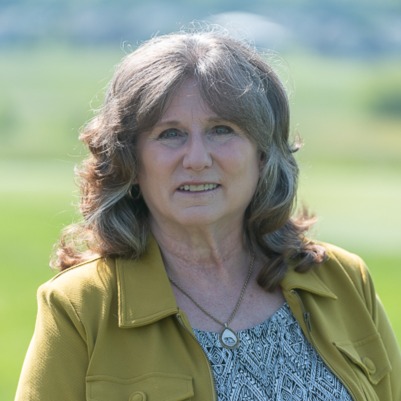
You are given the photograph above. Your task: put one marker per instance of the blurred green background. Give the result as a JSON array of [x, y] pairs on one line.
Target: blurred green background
[[346, 105]]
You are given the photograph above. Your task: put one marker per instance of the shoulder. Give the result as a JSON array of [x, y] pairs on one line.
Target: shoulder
[[87, 282], [344, 268], [343, 261], [341, 272], [96, 272], [343, 277], [340, 255]]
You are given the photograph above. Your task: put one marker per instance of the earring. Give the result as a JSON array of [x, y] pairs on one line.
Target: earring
[[135, 192]]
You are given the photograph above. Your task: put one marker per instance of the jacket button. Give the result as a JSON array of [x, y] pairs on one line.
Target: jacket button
[[138, 396], [370, 365]]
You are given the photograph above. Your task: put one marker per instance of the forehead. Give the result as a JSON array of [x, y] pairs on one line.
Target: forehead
[[187, 100]]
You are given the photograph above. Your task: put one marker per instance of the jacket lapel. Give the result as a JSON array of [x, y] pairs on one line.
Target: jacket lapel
[[144, 291]]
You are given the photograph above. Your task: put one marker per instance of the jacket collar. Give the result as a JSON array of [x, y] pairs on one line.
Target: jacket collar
[[145, 294], [308, 281], [144, 290]]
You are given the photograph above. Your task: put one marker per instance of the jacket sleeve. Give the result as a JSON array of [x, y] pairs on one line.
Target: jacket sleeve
[[57, 359], [388, 337]]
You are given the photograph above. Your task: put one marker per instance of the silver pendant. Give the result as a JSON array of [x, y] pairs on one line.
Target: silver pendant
[[229, 338]]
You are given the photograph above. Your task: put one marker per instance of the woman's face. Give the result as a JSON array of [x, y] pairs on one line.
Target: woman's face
[[195, 168]]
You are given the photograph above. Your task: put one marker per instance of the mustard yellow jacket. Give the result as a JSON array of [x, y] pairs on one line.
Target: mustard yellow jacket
[[110, 330]]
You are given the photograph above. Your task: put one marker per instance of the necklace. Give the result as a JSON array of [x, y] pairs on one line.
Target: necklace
[[228, 337]]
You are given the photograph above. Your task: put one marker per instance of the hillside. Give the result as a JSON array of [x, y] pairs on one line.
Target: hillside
[[359, 28]]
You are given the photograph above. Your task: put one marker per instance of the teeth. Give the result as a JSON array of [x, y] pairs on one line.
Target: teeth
[[198, 188]]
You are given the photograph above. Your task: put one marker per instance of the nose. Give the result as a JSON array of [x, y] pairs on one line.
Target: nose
[[197, 153]]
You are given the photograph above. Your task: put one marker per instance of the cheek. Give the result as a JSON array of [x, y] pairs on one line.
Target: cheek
[[253, 165], [245, 161], [147, 176], [149, 164]]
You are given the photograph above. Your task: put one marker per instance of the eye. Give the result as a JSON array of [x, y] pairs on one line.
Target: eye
[[222, 130], [171, 134]]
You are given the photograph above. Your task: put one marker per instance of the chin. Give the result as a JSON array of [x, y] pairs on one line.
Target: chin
[[197, 218]]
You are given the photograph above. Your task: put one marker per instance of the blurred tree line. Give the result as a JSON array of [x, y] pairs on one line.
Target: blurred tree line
[[339, 27]]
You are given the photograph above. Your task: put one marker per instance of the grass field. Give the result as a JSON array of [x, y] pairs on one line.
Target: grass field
[[351, 168]]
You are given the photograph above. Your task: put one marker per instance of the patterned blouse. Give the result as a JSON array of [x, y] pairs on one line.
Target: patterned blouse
[[274, 361]]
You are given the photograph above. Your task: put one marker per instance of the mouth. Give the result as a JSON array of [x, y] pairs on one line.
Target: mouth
[[198, 188]]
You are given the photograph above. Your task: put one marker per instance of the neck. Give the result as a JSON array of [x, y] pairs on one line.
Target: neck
[[202, 251]]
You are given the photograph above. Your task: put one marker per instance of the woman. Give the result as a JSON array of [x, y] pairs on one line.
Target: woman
[[191, 278]]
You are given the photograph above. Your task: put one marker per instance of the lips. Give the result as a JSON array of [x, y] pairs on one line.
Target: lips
[[197, 187]]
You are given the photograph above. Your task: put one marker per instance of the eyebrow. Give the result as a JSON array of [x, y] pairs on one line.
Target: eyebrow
[[214, 119]]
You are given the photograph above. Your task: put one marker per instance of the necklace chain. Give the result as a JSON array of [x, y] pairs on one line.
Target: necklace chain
[[237, 305]]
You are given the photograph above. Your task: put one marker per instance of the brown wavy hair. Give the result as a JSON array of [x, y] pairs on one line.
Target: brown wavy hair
[[237, 84]]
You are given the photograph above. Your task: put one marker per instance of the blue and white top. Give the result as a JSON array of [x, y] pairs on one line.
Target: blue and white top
[[274, 361]]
